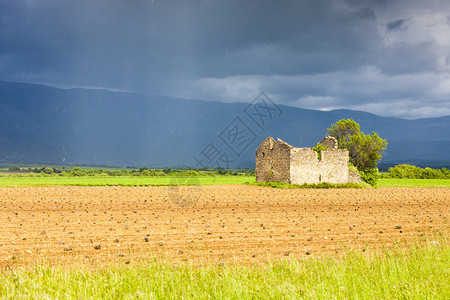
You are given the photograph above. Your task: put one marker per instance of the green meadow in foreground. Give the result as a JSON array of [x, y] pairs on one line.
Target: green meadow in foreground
[[420, 272]]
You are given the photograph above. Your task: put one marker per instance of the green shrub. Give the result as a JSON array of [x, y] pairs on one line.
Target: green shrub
[[48, 171], [352, 168], [147, 173], [77, 171], [370, 176]]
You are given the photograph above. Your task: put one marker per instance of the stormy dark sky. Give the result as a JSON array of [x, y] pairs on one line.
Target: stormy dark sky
[[387, 57]]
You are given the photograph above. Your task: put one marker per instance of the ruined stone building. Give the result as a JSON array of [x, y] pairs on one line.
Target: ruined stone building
[[278, 161]]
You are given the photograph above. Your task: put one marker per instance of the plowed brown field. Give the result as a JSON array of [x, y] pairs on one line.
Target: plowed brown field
[[107, 225]]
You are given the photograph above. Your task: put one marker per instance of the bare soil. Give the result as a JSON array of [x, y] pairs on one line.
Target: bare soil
[[99, 226]]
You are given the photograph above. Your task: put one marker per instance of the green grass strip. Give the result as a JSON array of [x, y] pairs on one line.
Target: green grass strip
[[394, 182], [197, 180], [123, 180], [418, 273]]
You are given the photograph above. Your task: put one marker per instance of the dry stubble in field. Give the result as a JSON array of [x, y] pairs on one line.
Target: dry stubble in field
[[98, 226]]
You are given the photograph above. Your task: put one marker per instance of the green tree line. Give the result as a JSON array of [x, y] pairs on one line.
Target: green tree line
[[413, 172], [77, 171]]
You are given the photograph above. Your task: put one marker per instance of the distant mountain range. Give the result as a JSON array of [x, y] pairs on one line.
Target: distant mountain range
[[45, 125]]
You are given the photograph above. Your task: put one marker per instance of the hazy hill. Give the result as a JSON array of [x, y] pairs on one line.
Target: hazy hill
[[41, 124]]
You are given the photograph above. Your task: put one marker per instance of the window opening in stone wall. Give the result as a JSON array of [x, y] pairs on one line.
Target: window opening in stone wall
[[320, 178], [318, 148]]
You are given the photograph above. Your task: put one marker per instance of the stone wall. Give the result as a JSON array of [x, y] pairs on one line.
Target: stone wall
[[354, 177], [329, 142], [272, 161], [279, 161], [334, 166], [304, 166], [307, 168]]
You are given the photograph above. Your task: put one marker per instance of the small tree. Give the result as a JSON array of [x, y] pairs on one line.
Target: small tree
[[48, 170], [365, 151], [77, 171]]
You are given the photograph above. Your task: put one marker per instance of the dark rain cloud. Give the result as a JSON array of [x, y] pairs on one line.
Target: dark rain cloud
[[229, 50], [395, 25]]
